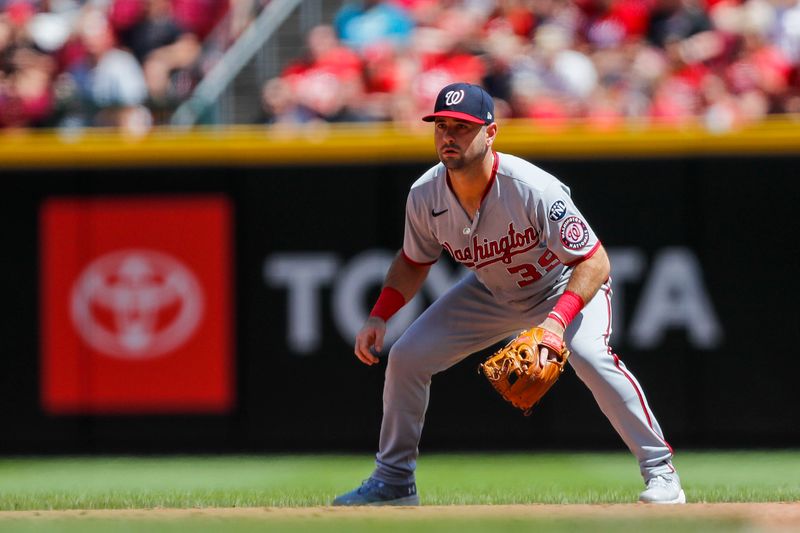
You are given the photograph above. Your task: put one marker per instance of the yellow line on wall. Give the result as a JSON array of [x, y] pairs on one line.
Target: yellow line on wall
[[374, 143]]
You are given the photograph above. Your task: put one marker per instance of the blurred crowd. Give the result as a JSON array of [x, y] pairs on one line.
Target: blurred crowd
[[129, 63], [118, 63], [607, 62]]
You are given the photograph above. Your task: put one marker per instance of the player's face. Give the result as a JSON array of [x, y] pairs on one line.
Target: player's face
[[460, 143]]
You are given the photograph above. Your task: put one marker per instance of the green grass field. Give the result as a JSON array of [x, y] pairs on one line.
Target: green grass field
[[443, 479]]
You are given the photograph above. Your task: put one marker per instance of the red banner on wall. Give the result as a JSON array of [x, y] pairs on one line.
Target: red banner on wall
[[136, 305]]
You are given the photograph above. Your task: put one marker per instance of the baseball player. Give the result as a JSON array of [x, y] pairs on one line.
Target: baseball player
[[534, 260]]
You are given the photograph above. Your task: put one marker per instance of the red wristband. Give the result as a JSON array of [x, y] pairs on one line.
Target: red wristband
[[567, 308], [389, 302]]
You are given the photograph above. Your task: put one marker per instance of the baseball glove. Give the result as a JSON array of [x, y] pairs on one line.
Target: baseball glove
[[517, 373]]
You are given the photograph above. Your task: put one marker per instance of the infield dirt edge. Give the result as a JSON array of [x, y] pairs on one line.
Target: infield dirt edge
[[771, 514]]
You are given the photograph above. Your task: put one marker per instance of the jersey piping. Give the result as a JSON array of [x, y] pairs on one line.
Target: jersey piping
[[589, 254], [416, 263]]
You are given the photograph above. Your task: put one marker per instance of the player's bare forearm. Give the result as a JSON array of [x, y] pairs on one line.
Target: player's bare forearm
[[589, 275], [405, 277]]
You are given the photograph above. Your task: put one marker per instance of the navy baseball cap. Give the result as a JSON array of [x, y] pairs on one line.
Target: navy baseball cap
[[463, 101]]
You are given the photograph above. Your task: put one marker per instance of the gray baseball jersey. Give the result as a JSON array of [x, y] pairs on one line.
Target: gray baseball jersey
[[517, 244]]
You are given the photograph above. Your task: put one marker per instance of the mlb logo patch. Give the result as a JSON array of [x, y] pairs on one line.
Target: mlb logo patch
[[136, 306]]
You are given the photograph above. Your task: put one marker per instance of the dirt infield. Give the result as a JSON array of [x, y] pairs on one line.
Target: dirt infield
[[762, 516]]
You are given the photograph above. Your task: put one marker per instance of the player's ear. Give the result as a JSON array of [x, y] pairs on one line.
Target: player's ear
[[491, 133]]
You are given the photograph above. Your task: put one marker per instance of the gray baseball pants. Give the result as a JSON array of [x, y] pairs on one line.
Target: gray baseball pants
[[468, 319]]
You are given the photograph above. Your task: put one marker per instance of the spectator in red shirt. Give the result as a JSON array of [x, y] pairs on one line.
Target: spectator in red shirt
[[328, 82]]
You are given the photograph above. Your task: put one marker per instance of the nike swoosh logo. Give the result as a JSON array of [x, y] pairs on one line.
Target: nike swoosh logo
[[437, 213]]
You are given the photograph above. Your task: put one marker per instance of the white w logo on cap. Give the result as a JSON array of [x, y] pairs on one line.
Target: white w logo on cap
[[454, 97]]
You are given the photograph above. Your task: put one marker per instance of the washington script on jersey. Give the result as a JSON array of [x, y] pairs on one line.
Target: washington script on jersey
[[503, 249]]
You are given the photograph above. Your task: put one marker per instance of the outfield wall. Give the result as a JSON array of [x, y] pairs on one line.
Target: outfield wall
[[201, 292]]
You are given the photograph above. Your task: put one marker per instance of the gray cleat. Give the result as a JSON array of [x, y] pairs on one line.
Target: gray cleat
[[374, 492], [663, 489]]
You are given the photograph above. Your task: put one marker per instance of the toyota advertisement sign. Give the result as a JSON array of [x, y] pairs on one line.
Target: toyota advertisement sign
[[136, 305], [202, 308]]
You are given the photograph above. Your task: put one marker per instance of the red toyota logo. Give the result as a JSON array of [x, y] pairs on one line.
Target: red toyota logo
[[136, 305]]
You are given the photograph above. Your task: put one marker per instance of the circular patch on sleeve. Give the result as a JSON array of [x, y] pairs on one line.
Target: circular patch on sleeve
[[574, 233], [557, 210]]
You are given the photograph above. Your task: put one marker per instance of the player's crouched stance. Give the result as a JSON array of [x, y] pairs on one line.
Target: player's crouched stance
[[534, 260]]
